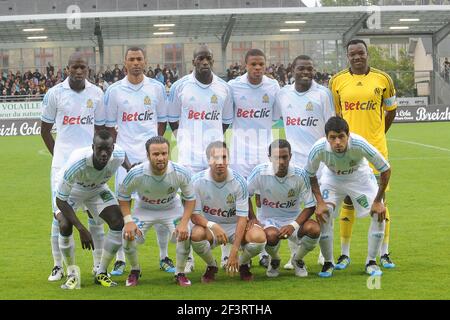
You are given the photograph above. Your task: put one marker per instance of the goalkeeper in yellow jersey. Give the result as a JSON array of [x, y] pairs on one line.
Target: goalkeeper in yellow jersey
[[365, 98]]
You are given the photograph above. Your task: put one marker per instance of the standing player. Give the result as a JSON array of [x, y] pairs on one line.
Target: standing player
[[305, 107], [200, 111], [347, 172], [83, 183], [220, 216], [157, 181], [365, 97], [136, 105], [253, 99], [75, 106], [282, 189]]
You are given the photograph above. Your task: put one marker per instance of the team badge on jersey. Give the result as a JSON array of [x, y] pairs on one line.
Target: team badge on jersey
[[377, 91], [89, 103], [309, 106], [352, 163], [214, 99], [291, 193], [230, 199], [170, 190], [266, 98], [147, 100], [106, 196]]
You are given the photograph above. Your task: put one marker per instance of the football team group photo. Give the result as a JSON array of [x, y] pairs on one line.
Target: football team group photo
[[281, 166]]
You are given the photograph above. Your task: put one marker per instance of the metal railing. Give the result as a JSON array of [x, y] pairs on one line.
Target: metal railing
[[21, 98]]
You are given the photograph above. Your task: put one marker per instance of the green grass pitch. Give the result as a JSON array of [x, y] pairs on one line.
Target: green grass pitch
[[419, 203]]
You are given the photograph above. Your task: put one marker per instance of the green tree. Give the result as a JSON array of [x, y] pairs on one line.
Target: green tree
[[401, 70]]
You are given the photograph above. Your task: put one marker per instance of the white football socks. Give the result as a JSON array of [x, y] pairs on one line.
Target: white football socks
[[251, 249], [67, 247], [54, 240], [162, 236], [375, 238], [98, 234], [203, 249]]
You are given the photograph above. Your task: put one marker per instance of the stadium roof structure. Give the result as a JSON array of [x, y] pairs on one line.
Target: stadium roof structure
[[88, 29], [239, 24]]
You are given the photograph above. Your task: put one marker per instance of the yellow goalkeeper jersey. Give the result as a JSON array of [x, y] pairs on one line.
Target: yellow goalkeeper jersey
[[362, 100]]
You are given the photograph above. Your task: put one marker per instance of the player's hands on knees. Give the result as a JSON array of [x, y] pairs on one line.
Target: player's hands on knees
[[379, 209], [286, 231], [220, 235], [130, 231], [86, 239], [322, 212], [182, 231], [232, 266]]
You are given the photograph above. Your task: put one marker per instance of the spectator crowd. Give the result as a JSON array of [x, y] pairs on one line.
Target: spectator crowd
[[30, 83], [165, 75], [37, 83], [284, 74]]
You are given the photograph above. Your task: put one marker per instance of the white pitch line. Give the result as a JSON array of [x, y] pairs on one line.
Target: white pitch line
[[420, 144]]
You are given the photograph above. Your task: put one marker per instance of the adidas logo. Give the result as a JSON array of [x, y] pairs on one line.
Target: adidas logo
[[359, 84]]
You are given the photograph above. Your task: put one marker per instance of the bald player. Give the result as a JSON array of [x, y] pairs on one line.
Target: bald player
[[200, 109]]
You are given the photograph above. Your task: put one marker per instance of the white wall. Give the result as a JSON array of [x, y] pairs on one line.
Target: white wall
[[422, 62]]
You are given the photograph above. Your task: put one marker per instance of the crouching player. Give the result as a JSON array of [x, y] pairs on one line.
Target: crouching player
[[157, 182], [347, 172], [220, 216], [83, 183], [282, 188]]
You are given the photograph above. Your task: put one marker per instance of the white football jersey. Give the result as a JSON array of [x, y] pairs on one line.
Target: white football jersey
[[157, 192], [221, 202], [200, 109], [304, 116], [79, 172], [281, 197], [252, 123], [74, 114], [136, 111], [348, 165]]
